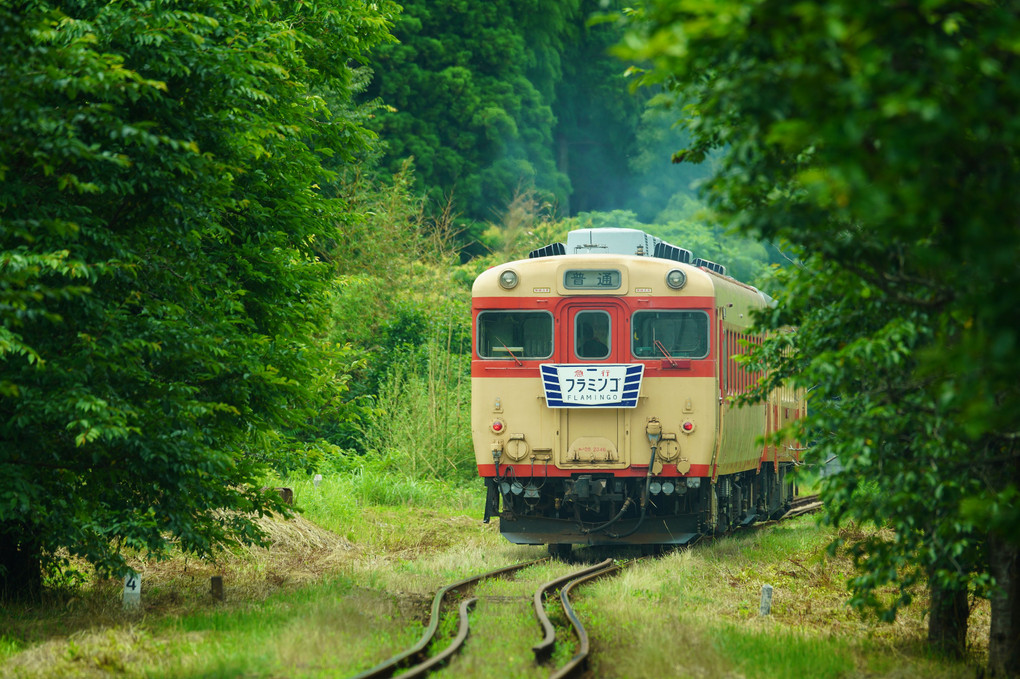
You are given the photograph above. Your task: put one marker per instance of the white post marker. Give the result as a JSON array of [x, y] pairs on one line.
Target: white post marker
[[317, 480], [132, 590], [766, 600]]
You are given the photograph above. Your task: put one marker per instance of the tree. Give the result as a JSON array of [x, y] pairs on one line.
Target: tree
[[878, 139], [468, 89], [163, 192], [597, 117]]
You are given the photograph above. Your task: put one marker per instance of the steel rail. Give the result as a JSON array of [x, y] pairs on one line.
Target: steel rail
[[423, 668], [803, 505], [803, 500], [578, 663], [405, 658], [543, 649]]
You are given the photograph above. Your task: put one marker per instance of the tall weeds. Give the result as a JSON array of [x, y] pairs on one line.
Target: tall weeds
[[422, 420]]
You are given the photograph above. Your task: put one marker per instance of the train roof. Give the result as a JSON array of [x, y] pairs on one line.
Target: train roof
[[602, 245], [613, 241]]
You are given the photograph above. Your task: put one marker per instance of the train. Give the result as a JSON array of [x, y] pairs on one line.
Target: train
[[605, 379]]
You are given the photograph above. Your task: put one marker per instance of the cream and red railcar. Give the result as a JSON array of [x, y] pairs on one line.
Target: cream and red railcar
[[602, 380]]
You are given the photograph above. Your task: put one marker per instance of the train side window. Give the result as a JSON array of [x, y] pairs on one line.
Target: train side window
[[682, 334], [591, 334], [515, 334]]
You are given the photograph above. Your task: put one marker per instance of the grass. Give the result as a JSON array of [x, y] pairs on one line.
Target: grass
[[350, 582], [696, 613]]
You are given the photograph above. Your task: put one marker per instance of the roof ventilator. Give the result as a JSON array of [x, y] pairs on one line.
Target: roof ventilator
[[552, 250], [711, 266]]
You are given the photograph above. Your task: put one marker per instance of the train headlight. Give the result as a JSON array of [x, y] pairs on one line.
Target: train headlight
[[668, 487], [676, 279], [508, 279], [655, 487]]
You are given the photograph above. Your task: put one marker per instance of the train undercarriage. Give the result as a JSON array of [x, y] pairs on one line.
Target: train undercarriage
[[599, 508]]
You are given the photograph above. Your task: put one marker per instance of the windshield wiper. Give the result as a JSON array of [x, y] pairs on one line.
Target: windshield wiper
[[507, 349], [662, 348]]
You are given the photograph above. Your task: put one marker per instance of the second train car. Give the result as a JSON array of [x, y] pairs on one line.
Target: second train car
[[603, 379]]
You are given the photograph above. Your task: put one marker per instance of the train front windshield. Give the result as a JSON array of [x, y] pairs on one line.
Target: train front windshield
[[682, 334], [529, 334], [515, 334]]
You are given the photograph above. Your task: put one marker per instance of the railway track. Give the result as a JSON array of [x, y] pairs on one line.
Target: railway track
[[543, 650], [413, 662], [803, 505]]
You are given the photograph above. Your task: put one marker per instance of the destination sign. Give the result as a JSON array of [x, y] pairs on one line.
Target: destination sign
[[574, 385], [592, 279]]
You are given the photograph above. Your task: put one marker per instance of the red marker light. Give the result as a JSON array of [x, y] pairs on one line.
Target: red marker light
[[688, 426], [497, 426]]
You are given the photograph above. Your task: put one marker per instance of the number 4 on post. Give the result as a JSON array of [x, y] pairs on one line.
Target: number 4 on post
[[132, 590]]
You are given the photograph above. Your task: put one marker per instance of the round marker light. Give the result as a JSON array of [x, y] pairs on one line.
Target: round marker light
[[655, 487], [676, 279], [508, 279], [668, 487], [687, 427], [497, 426]]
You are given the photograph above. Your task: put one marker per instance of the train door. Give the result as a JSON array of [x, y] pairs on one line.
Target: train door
[[595, 333], [724, 371]]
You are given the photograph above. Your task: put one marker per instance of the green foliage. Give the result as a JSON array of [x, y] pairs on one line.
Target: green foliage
[[690, 224], [789, 654], [398, 312], [657, 183], [161, 207], [526, 224], [522, 99], [468, 90], [877, 138], [392, 264], [421, 421], [597, 118]]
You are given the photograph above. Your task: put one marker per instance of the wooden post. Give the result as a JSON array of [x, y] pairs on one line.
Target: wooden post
[[216, 587]]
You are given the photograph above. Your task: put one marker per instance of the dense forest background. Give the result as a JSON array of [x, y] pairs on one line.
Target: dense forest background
[[237, 240], [492, 101]]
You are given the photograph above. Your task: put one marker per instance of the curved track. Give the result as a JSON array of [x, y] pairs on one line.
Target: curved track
[[543, 650], [411, 659], [413, 663]]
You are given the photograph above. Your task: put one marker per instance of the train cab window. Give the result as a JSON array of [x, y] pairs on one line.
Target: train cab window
[[515, 334], [591, 334], [680, 334]]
